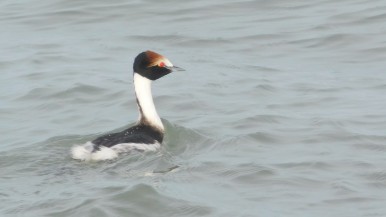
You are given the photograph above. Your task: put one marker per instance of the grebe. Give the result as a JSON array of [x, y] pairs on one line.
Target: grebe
[[148, 133]]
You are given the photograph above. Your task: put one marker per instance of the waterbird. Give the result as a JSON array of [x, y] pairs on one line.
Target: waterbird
[[147, 134]]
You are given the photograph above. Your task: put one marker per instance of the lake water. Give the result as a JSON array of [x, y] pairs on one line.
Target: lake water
[[280, 112]]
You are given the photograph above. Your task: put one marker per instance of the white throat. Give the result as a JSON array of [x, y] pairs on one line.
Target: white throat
[[147, 111]]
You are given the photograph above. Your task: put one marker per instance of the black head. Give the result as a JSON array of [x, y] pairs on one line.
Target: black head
[[152, 65]]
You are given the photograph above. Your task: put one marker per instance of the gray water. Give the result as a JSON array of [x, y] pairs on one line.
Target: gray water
[[280, 112]]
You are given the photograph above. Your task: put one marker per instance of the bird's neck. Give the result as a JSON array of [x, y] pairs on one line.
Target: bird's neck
[[147, 111]]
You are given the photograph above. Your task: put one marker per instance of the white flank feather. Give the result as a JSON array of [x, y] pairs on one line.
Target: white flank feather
[[85, 152]]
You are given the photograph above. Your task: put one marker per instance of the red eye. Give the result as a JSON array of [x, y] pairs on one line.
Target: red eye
[[161, 64]]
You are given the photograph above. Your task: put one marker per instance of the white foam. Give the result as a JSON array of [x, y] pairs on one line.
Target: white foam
[[85, 152]]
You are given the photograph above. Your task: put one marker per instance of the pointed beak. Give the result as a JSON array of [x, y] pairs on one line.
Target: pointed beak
[[176, 68]]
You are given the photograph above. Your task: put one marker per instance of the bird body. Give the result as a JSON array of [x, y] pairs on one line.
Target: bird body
[[148, 133]]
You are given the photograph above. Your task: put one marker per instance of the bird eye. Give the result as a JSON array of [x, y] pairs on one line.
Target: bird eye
[[161, 64]]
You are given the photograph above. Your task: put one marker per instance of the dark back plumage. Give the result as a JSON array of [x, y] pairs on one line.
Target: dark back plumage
[[141, 133]]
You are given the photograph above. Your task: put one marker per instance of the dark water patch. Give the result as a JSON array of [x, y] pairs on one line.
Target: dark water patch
[[180, 40], [77, 90], [375, 180], [371, 147], [268, 119], [142, 197], [371, 19], [263, 138], [379, 176], [350, 200], [343, 188], [265, 87], [36, 76], [262, 68], [48, 18], [242, 171], [54, 57], [252, 177], [161, 38], [316, 165], [374, 51], [335, 41], [213, 42], [339, 137], [259, 37]]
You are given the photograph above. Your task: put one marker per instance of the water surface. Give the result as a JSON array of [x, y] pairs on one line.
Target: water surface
[[280, 111]]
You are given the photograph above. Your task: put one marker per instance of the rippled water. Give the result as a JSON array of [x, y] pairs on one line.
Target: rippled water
[[280, 112]]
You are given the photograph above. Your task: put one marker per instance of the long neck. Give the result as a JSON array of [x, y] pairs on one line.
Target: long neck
[[147, 111]]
